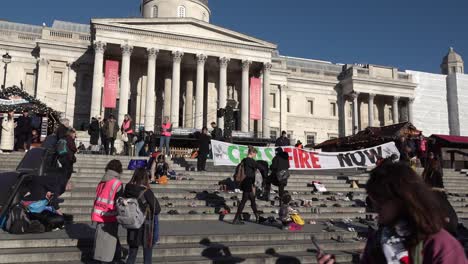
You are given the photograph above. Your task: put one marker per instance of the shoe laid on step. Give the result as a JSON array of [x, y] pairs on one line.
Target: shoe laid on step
[[237, 222]]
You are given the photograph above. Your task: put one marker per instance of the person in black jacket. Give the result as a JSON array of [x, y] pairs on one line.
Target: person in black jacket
[[24, 131], [279, 163], [283, 141], [147, 235], [216, 133], [94, 131], [248, 186], [203, 148]]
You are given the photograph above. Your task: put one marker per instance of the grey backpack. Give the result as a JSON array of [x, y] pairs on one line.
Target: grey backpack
[[129, 213]]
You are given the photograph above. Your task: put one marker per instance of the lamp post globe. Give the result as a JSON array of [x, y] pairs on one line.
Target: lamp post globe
[[6, 59]]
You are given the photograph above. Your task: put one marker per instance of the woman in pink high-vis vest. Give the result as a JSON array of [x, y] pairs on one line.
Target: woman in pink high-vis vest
[[166, 133], [127, 128]]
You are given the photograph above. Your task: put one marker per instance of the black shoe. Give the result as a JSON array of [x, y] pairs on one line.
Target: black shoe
[[237, 222]]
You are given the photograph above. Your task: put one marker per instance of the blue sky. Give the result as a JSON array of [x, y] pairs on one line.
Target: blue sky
[[408, 34]]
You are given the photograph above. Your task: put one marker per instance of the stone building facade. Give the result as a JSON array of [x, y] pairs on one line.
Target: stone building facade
[[174, 63]]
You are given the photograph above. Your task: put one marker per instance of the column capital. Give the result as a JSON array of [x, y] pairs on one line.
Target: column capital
[[223, 62], [99, 47], [354, 95], [267, 67], [152, 53], [246, 64], [411, 100], [177, 56], [372, 96], [127, 50], [396, 98], [283, 87], [201, 58]]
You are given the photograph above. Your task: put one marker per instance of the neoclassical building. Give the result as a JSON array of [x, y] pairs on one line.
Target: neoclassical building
[[173, 62]]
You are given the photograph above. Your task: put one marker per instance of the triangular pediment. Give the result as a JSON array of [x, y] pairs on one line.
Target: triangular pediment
[[186, 27]]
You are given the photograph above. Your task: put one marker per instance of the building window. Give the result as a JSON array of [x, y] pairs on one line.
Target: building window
[[350, 110], [310, 139], [390, 113], [274, 133], [310, 105], [333, 109], [155, 11], [181, 11], [57, 80], [30, 82], [288, 105], [454, 69], [273, 100]]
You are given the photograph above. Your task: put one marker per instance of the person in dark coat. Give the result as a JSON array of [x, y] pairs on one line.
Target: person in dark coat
[[24, 131], [248, 186], [279, 163], [204, 140], [216, 133], [110, 131], [94, 132], [147, 236], [283, 141]]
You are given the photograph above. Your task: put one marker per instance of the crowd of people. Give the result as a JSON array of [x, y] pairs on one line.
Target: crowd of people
[[18, 134]]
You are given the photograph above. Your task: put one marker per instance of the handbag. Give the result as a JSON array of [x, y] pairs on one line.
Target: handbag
[[282, 175], [296, 218], [136, 164], [124, 137], [240, 173]]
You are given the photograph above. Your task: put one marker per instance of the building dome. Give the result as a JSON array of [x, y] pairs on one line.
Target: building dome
[[197, 9], [452, 63]]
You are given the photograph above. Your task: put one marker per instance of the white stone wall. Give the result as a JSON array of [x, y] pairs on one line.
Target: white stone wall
[[462, 91], [430, 112], [169, 8]]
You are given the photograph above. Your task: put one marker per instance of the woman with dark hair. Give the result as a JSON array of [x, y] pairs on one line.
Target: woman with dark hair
[[8, 132], [127, 130], [106, 243], [147, 235], [410, 221], [248, 186]]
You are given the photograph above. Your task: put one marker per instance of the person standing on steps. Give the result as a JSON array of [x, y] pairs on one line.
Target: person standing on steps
[[127, 131], [166, 133], [147, 235], [110, 131], [24, 129], [283, 141], [216, 133], [94, 131], [279, 173], [204, 140], [106, 244], [8, 133], [248, 185]]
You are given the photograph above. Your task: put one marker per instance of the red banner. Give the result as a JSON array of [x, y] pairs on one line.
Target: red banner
[[109, 97], [255, 98]]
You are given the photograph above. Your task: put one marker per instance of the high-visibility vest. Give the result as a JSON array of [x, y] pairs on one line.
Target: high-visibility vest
[[166, 126], [104, 207]]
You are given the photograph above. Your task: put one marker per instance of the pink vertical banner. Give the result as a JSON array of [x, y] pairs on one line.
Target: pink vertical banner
[[111, 76], [255, 98]]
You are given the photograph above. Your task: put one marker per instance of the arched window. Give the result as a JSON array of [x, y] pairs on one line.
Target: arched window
[[181, 11], [155, 11]]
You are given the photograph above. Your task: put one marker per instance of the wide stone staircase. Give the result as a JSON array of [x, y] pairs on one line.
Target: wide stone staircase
[[193, 231]]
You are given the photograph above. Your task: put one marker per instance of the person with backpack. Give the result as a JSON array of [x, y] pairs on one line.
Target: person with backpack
[[279, 173], [104, 214], [138, 192], [246, 177]]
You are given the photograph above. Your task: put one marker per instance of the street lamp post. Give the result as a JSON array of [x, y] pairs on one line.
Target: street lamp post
[[6, 60]]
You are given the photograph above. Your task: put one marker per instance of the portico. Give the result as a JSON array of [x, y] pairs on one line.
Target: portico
[[184, 77]]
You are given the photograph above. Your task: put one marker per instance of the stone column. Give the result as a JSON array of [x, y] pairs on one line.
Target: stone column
[[189, 101], [410, 109], [245, 96], [396, 119], [201, 59], [175, 96], [355, 96], [167, 94], [99, 48], [266, 101], [371, 109], [342, 114], [124, 82], [71, 91], [150, 111], [222, 96], [283, 107]]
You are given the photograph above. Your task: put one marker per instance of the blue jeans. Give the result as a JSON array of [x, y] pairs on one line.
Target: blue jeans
[[138, 147], [164, 141]]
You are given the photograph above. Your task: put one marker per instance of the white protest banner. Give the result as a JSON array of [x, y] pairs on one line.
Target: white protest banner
[[226, 154]]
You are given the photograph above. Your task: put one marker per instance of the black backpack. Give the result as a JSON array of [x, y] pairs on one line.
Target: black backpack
[[18, 222], [282, 176]]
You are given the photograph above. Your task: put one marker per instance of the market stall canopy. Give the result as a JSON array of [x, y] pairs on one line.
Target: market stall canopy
[[16, 99], [370, 137], [451, 141]]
